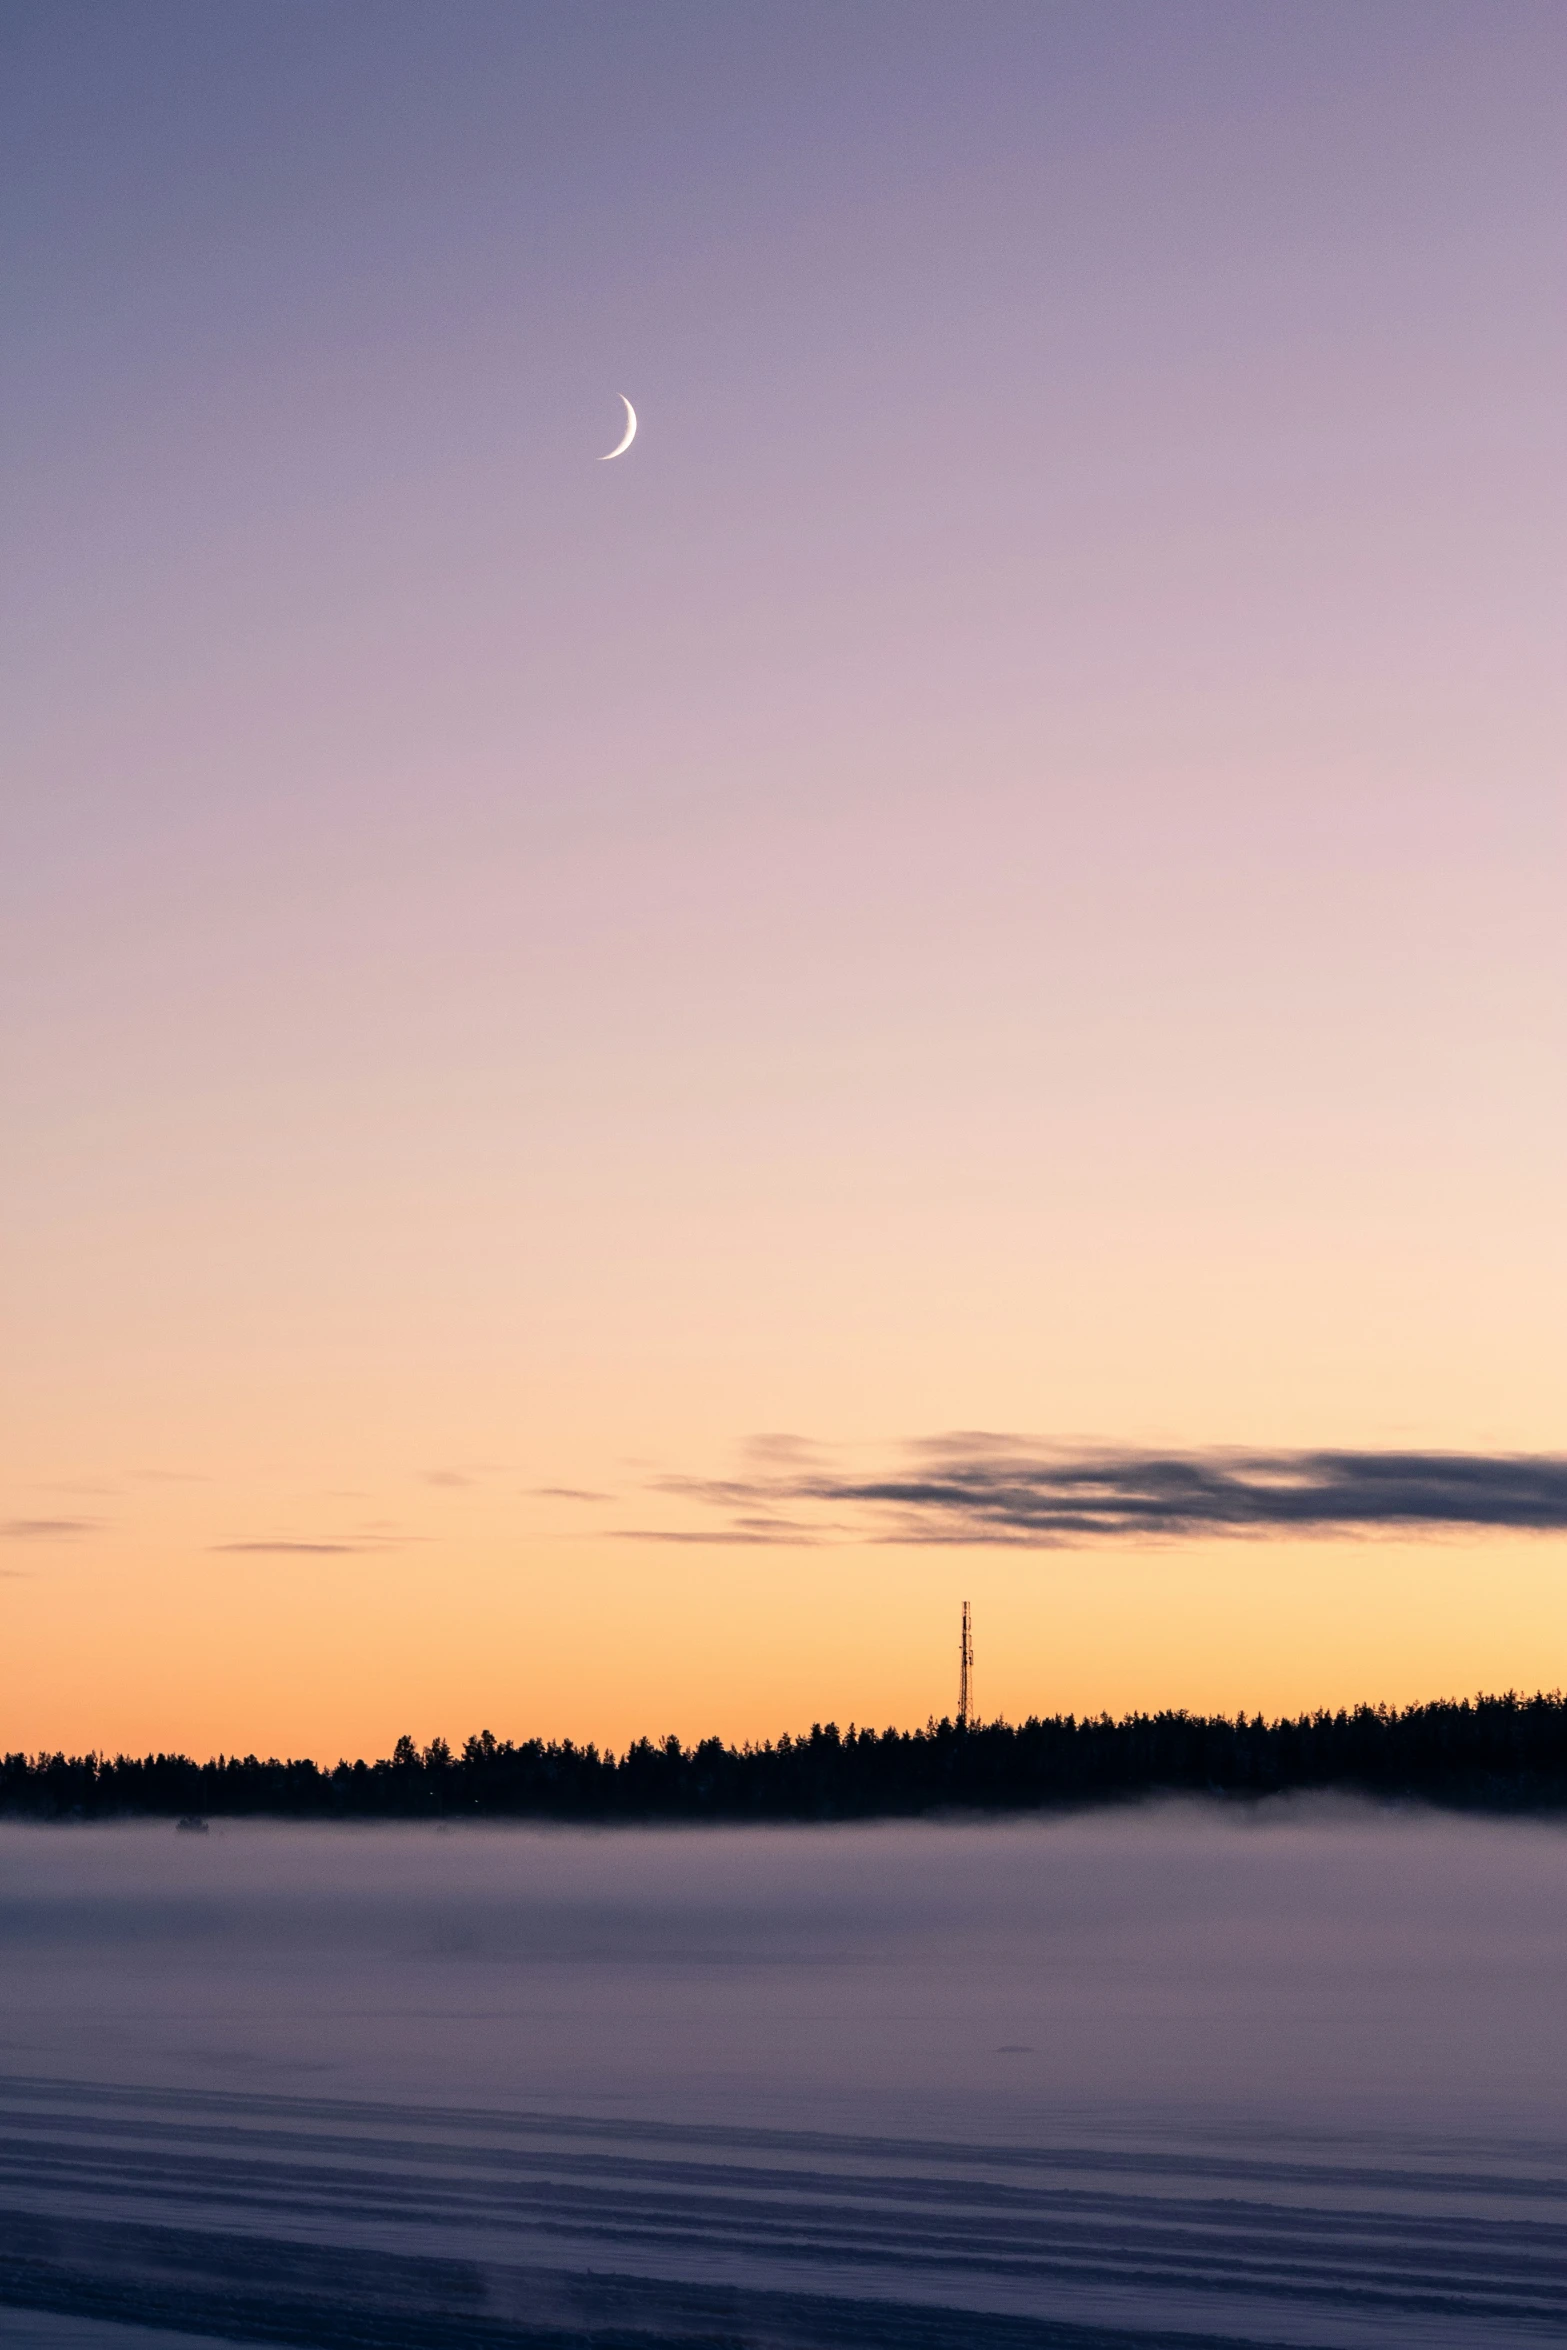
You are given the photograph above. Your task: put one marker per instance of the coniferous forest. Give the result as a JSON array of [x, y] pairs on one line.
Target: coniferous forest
[[1503, 1754]]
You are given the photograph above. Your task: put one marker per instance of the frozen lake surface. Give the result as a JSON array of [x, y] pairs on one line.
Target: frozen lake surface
[[1293, 2075]]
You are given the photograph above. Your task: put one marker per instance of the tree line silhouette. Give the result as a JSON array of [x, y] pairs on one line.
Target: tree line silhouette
[[1506, 1753]]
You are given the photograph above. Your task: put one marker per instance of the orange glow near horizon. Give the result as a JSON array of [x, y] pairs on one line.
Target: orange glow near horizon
[[330, 1655]]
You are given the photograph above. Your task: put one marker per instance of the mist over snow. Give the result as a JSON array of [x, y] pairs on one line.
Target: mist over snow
[[1306, 1959]]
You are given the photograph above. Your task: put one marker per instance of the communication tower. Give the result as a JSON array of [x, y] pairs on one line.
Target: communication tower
[[966, 1669]]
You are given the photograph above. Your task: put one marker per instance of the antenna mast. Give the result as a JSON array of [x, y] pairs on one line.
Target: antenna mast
[[966, 1669]]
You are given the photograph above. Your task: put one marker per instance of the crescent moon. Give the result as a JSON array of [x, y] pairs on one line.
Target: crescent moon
[[621, 447]]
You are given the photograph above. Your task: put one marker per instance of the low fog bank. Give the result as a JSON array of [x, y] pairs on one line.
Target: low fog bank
[[1320, 1962]]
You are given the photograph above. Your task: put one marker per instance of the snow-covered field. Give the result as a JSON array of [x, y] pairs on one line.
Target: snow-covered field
[[1293, 2075]]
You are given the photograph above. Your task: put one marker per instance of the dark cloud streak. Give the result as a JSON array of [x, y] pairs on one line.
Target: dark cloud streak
[[1005, 1491]]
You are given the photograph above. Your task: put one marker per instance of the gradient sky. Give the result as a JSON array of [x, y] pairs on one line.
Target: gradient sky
[[1001, 871]]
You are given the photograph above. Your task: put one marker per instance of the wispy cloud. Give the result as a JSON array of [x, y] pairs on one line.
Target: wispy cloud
[[45, 1529], [1013, 1491], [458, 1476], [301, 1549], [742, 1532]]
